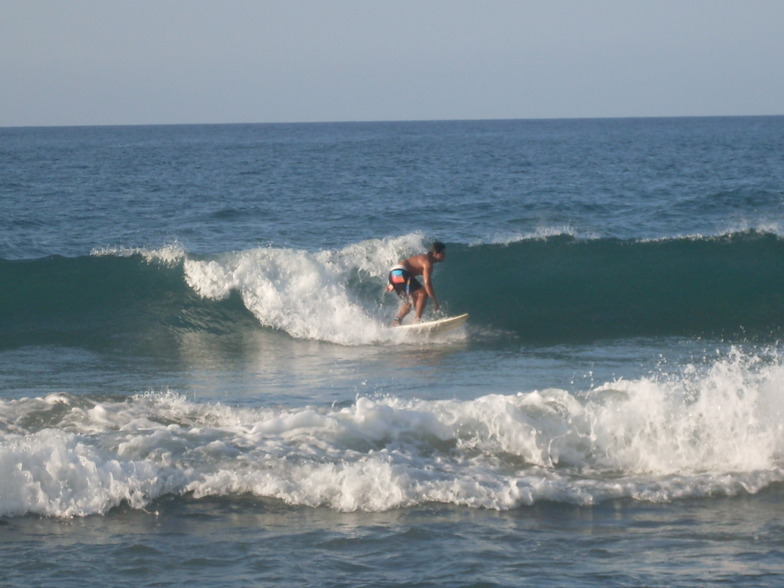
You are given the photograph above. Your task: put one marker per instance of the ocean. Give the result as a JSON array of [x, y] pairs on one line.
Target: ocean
[[199, 387]]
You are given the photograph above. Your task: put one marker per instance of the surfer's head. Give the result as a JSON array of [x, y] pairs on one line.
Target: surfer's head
[[437, 251]]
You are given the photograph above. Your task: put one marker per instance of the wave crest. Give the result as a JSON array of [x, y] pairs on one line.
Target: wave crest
[[705, 430]]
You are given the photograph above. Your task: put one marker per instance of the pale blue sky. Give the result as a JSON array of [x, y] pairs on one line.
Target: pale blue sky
[[75, 62]]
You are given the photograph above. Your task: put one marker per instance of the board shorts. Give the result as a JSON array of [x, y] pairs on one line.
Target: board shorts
[[403, 283]]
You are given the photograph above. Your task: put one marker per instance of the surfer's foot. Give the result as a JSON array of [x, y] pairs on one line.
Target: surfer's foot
[[396, 322]]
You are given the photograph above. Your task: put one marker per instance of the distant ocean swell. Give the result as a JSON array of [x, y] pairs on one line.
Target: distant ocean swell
[[658, 439], [553, 289]]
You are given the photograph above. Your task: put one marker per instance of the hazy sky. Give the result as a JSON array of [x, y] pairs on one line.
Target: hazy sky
[[74, 62]]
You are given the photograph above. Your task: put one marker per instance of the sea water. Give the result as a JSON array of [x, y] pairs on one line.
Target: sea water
[[198, 385]]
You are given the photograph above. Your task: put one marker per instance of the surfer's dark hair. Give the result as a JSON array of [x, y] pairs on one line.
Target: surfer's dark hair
[[437, 247]]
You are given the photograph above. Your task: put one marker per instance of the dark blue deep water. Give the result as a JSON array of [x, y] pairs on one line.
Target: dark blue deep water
[[198, 386]]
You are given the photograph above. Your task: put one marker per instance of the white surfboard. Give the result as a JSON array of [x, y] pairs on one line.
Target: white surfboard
[[433, 327]]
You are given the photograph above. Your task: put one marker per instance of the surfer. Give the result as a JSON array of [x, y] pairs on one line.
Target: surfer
[[402, 279]]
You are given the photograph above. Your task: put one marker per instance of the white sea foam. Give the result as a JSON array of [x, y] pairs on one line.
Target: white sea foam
[[170, 254], [541, 233], [309, 295], [764, 226], [736, 229], [545, 232], [700, 432]]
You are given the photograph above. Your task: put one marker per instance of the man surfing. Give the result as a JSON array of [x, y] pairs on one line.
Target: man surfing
[[402, 279]]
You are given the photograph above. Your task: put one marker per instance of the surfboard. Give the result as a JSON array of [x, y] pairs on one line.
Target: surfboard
[[433, 327]]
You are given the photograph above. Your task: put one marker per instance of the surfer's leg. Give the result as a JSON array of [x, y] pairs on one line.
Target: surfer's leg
[[420, 301], [404, 309]]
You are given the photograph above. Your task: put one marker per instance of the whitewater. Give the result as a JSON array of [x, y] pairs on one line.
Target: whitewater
[[652, 440]]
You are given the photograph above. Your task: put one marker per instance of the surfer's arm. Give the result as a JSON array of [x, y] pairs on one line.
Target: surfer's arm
[[428, 269]]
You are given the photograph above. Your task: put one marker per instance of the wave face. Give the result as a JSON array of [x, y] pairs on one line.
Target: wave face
[[655, 439], [553, 289], [76, 300], [563, 289]]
